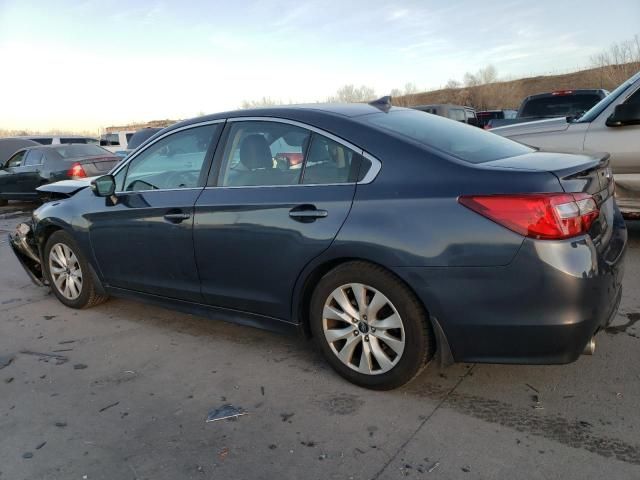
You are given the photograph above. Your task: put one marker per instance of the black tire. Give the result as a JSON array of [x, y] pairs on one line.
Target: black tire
[[88, 296], [418, 334]]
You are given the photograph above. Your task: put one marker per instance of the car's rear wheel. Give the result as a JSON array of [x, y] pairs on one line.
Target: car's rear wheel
[[370, 326], [68, 272]]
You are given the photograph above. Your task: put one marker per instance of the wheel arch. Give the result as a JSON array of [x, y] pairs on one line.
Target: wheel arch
[[312, 275]]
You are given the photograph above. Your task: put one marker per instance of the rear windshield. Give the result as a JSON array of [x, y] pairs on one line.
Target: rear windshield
[[77, 150], [82, 140], [560, 105], [465, 142], [43, 141]]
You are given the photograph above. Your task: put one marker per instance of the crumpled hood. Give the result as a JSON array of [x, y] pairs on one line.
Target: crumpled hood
[[538, 126], [66, 187]]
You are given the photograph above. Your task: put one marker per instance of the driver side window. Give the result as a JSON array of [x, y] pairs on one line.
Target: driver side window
[[174, 162], [16, 160]]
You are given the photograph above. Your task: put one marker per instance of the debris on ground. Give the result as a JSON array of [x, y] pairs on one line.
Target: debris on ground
[[5, 360], [532, 388], [223, 453], [224, 413], [466, 469], [433, 467], [45, 357], [108, 407], [41, 445], [8, 380], [286, 416], [537, 403], [79, 366], [64, 342], [61, 424], [27, 455]]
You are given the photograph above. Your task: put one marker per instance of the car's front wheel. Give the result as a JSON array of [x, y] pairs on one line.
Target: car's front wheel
[[68, 272], [370, 326]]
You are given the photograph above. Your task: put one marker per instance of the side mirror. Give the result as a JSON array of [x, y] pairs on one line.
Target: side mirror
[[625, 114], [104, 186]]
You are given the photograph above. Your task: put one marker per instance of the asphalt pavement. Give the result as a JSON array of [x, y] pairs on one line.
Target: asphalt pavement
[[123, 391]]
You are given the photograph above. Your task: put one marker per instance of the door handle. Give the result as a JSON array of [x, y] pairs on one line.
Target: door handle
[[177, 217], [307, 213]]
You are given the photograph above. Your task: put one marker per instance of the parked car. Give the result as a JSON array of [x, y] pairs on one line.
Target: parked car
[[137, 139], [454, 112], [402, 235], [613, 126], [61, 140], [561, 103], [31, 167], [10, 145], [116, 141], [485, 116]]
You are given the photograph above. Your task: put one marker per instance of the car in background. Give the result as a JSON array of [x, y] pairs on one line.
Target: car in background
[[560, 103], [61, 139], [398, 237], [34, 166], [10, 145], [116, 141], [612, 125], [485, 116], [137, 139], [458, 113]]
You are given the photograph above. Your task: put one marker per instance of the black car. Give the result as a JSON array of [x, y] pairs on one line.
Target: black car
[[32, 167], [394, 236]]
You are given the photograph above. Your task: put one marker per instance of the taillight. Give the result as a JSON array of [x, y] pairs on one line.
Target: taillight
[[540, 215], [76, 171]]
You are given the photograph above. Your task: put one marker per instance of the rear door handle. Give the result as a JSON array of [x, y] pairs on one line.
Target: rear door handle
[[307, 213], [177, 217]]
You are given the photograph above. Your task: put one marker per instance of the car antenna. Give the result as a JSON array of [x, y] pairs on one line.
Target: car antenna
[[383, 103]]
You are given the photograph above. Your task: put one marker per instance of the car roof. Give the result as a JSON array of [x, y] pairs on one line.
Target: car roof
[[292, 112]]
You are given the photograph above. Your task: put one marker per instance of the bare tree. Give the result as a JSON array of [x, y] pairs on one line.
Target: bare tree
[[619, 61], [452, 83], [351, 93], [262, 102]]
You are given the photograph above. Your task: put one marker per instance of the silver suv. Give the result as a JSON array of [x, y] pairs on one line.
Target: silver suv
[[612, 125]]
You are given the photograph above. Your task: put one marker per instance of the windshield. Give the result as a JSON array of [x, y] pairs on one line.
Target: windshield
[[465, 142], [80, 150], [608, 100]]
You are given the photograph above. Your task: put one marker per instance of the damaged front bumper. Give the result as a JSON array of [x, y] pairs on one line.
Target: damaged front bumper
[[26, 250]]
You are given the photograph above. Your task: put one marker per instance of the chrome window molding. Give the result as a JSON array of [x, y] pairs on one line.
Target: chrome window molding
[[186, 127], [376, 165], [370, 176]]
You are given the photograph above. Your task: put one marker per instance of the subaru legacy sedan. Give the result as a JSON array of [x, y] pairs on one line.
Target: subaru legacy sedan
[[393, 239]]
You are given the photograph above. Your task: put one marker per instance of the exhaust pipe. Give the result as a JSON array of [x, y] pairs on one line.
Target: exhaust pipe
[[590, 347]]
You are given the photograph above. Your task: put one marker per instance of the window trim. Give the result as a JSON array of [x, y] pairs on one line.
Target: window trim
[[376, 164], [206, 163], [375, 168]]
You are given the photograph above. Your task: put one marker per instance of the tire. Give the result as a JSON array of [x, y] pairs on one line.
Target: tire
[[80, 291], [3, 202], [392, 347]]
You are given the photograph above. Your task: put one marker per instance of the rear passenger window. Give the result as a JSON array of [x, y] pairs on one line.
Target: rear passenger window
[[330, 162], [263, 154], [34, 157]]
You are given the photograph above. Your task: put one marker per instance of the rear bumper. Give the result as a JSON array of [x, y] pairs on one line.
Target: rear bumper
[[542, 308]]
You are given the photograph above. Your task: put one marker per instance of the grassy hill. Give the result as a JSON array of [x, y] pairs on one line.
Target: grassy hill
[[509, 94]]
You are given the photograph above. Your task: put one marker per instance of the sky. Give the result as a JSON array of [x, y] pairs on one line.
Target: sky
[[89, 64]]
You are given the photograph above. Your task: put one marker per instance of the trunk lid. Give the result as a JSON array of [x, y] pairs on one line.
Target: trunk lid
[[577, 173], [94, 166]]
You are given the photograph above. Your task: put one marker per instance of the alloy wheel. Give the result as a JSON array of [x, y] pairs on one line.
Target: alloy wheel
[[65, 271], [363, 328]]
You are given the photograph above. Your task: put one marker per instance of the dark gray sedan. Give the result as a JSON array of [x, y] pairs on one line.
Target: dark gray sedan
[[391, 236], [31, 167]]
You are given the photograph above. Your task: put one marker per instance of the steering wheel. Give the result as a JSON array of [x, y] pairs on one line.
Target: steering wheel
[[132, 186], [180, 179]]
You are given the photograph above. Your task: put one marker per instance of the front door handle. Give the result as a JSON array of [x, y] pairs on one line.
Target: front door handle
[[177, 217], [307, 213]]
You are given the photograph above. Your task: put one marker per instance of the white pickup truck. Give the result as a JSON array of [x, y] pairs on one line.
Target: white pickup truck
[[612, 125]]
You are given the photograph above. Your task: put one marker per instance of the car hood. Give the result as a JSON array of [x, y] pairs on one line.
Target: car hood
[[538, 126], [66, 187]]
